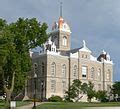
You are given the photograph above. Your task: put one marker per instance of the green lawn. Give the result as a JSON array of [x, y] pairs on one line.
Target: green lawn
[[76, 105], [18, 103], [2, 104], [21, 103]]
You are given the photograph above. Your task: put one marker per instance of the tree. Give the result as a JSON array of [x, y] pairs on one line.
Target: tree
[[74, 91], [2, 52], [101, 95], [84, 88], [90, 91], [16, 40], [115, 89], [78, 88]]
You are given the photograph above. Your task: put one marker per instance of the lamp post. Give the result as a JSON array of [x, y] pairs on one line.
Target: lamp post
[[35, 76]]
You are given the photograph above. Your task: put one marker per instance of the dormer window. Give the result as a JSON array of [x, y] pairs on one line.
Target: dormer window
[[84, 56], [64, 41]]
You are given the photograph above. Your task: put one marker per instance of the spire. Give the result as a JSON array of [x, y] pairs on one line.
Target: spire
[[60, 9]]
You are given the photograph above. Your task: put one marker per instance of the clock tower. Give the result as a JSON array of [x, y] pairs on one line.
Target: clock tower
[[60, 35]]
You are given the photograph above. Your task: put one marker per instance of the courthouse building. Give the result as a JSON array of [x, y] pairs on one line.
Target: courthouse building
[[57, 65]]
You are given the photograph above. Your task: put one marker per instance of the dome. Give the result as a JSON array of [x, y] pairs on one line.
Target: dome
[[61, 25]]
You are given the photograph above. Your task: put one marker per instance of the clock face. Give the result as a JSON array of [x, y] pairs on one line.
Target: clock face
[[65, 26]]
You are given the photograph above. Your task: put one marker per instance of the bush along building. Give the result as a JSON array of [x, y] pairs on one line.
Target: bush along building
[[57, 65]]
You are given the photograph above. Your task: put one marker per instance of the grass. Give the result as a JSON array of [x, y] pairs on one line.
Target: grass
[[65, 105], [62, 105], [22, 103], [1, 104], [18, 103]]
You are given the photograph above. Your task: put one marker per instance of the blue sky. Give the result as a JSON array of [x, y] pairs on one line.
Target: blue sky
[[96, 21]]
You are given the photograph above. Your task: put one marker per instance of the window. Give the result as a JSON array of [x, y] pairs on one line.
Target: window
[[75, 71], [92, 73], [53, 49], [99, 74], [64, 70], [84, 72], [108, 74], [64, 86], [99, 87], [53, 86], [43, 68], [64, 41], [53, 69], [108, 88]]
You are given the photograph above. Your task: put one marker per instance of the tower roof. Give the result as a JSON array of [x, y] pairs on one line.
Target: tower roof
[[61, 25]]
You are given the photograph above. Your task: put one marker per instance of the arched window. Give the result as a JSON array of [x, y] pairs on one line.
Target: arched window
[[75, 71], [53, 69], [108, 88], [92, 73], [84, 72], [64, 70], [108, 74], [99, 74], [53, 86], [64, 41], [64, 86], [43, 69], [99, 86]]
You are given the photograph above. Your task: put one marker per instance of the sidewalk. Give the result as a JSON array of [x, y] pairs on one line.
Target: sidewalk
[[29, 106]]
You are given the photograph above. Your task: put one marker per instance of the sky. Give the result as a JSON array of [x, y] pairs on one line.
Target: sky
[[95, 21]]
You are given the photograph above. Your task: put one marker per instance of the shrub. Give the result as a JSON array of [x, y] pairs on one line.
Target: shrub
[[55, 99], [101, 96]]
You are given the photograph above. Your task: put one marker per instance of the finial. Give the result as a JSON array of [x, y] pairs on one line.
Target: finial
[[103, 51], [60, 9], [84, 43], [108, 56]]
